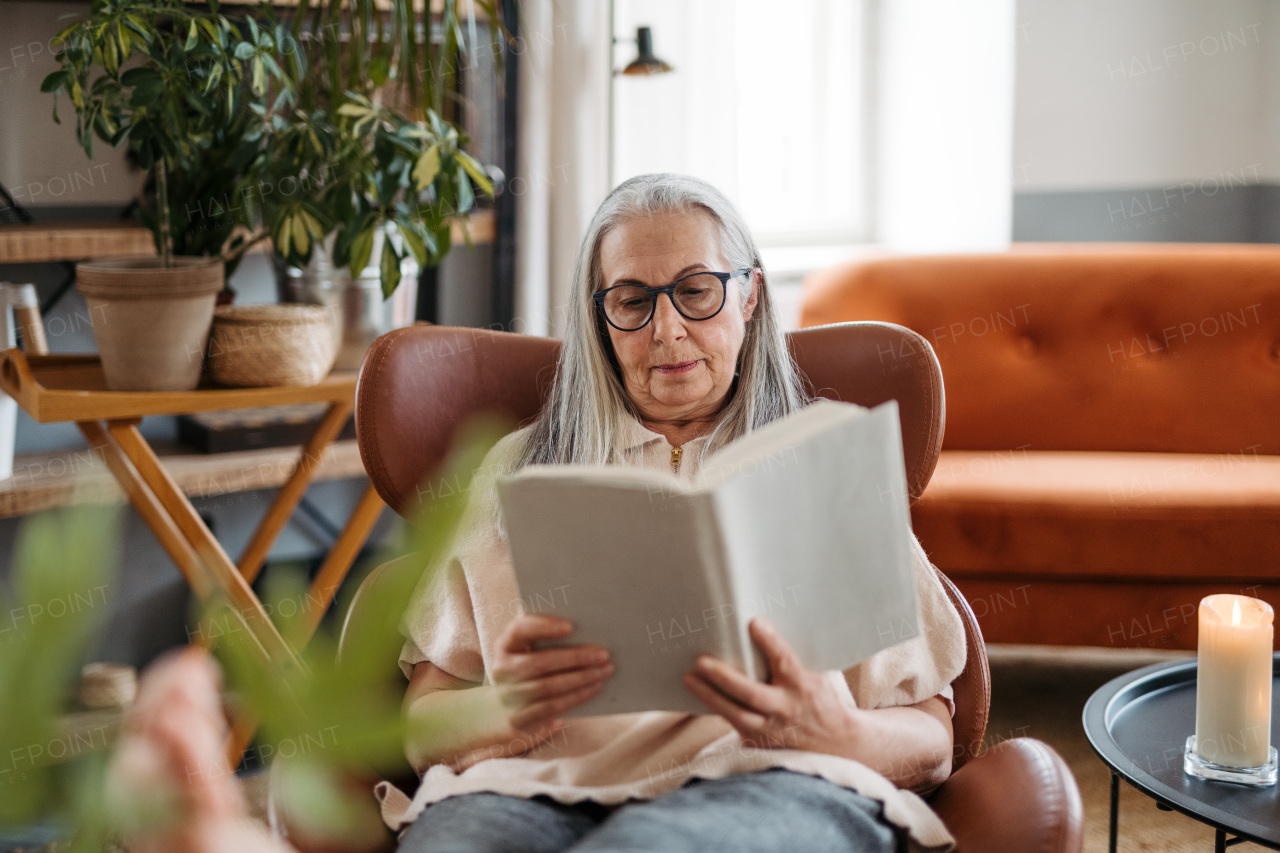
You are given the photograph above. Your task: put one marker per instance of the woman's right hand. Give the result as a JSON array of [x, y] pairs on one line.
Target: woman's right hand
[[537, 686]]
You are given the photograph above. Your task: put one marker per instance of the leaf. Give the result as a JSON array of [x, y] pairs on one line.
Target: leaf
[[126, 44], [54, 81], [466, 197], [148, 86], [214, 76], [283, 237], [244, 50], [361, 250], [427, 167], [475, 171], [414, 241], [390, 269], [111, 60], [136, 24], [301, 239], [141, 76], [193, 37]]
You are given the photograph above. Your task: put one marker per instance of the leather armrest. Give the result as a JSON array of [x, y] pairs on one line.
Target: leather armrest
[[1017, 796]]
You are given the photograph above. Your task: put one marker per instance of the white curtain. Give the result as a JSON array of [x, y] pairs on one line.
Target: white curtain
[[563, 138]]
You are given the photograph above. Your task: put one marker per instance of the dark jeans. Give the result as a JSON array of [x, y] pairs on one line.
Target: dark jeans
[[769, 810]]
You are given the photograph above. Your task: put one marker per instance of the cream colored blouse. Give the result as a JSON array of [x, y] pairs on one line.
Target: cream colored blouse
[[458, 612]]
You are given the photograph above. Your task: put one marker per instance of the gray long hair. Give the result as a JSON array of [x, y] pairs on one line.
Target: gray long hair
[[586, 415]]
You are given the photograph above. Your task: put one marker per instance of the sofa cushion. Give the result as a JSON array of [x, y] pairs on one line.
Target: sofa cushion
[[1162, 348], [1076, 515]]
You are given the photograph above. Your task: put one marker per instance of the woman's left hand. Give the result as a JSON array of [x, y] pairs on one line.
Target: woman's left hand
[[797, 709]]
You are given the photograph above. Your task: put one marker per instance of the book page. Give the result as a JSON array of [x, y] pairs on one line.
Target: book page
[[817, 534], [637, 568], [767, 445]]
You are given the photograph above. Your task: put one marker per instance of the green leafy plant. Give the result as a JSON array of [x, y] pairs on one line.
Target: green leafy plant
[[187, 92], [333, 121], [372, 142]]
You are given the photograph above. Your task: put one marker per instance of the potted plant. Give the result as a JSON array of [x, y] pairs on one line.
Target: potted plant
[[187, 92], [368, 166]]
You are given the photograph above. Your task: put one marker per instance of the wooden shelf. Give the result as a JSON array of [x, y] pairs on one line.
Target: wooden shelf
[[483, 225], [77, 241], [43, 481], [34, 244], [437, 6]]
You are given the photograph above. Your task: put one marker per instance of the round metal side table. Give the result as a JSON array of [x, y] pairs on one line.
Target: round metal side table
[[1139, 723]]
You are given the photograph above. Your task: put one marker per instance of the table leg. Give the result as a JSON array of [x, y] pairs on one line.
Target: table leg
[[162, 525], [1115, 811], [286, 500], [224, 573], [160, 522], [338, 562], [1219, 841]]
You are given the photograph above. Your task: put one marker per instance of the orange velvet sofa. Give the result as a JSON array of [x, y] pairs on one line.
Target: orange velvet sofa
[[1112, 444]]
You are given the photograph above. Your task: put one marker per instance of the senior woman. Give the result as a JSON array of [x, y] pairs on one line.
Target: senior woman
[[672, 350]]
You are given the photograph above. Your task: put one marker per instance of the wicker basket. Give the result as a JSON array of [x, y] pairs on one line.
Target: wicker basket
[[256, 345], [107, 685]]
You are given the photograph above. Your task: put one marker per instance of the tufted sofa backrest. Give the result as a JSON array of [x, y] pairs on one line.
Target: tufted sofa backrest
[[1127, 347]]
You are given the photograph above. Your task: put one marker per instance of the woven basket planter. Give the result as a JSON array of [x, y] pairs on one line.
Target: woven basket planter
[[255, 345]]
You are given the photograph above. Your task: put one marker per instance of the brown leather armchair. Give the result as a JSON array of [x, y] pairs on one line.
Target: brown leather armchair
[[418, 385]]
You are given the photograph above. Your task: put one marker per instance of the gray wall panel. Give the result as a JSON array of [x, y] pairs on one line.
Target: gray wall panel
[[1187, 213]]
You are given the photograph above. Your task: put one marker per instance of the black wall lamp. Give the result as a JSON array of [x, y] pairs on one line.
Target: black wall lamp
[[645, 63]]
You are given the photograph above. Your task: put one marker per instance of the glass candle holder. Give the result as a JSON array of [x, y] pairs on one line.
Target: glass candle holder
[[1232, 742]]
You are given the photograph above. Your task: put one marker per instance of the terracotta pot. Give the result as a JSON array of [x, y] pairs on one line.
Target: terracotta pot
[[151, 322]]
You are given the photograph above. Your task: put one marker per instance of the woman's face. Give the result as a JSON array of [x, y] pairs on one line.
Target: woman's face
[[675, 369]]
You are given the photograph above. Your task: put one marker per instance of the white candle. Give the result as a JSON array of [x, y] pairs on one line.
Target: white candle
[[1233, 681]]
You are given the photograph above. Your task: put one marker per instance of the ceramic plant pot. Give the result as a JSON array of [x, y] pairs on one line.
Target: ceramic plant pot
[[151, 322]]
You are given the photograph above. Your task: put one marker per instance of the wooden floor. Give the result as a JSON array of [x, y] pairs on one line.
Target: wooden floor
[[1040, 691]]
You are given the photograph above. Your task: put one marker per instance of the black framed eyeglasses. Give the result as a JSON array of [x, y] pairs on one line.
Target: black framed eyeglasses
[[700, 296]]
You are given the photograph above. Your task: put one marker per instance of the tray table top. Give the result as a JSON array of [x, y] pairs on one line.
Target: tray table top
[[1139, 724], [55, 388]]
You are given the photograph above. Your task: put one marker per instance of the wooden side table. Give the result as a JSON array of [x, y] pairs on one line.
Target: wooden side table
[[56, 388]]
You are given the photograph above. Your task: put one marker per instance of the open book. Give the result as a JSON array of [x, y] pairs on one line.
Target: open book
[[804, 522]]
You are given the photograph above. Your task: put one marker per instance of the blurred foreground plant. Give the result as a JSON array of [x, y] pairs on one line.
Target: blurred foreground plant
[[339, 711], [60, 560], [337, 707]]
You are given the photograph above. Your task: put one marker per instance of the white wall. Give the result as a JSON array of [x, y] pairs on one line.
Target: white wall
[[1145, 93], [40, 162]]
